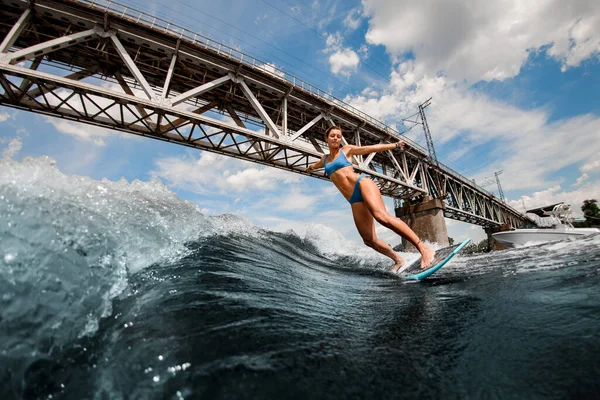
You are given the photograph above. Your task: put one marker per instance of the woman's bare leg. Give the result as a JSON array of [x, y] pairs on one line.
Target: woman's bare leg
[[374, 202], [366, 228]]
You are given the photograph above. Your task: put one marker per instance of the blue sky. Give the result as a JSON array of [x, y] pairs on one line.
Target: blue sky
[[514, 85]]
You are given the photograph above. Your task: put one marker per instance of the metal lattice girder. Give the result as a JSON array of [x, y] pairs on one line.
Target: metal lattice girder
[[128, 112], [174, 85]]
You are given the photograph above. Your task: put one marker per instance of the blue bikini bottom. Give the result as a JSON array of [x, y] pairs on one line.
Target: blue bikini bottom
[[356, 194]]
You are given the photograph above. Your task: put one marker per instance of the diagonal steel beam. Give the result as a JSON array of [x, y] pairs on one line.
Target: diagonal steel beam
[[15, 31], [284, 118], [165, 91], [316, 145], [396, 164], [51, 45], [424, 184], [414, 173], [26, 83], [236, 118], [358, 141], [128, 90], [137, 74], [180, 121], [405, 165], [370, 158], [6, 84], [259, 108], [199, 90], [306, 127]]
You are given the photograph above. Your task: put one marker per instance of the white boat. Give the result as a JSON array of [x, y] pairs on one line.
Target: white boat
[[557, 217]]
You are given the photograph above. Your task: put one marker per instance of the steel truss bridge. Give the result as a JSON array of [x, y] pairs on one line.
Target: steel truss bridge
[[105, 64]]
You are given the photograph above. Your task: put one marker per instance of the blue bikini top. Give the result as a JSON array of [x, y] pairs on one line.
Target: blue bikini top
[[340, 162]]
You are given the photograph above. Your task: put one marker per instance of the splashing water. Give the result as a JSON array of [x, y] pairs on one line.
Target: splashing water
[[122, 290]]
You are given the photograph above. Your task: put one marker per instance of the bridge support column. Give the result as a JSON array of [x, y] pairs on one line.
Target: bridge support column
[[492, 243], [426, 220]]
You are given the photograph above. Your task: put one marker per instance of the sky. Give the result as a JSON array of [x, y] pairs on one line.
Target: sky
[[514, 87]]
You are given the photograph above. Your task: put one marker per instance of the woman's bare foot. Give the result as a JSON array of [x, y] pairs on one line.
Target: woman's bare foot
[[400, 262], [427, 255]]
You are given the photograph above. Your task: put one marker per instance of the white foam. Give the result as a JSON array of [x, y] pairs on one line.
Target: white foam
[[334, 245], [146, 220], [54, 224], [535, 257]]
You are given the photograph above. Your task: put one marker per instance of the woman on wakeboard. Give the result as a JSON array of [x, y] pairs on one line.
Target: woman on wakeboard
[[364, 197]]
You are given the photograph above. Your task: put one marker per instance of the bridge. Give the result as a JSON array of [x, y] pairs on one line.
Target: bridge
[[105, 64]]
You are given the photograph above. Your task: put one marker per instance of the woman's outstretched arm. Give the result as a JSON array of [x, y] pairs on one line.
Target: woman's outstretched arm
[[375, 148], [317, 165]]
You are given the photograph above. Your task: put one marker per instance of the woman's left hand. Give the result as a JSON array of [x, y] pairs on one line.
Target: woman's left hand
[[400, 144]]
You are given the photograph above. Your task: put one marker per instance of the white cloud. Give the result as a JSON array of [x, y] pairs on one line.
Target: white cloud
[[272, 69], [555, 195], [211, 171], [343, 60], [84, 132], [583, 40], [264, 178], [526, 145], [261, 19], [4, 117], [581, 179], [353, 19], [592, 166], [297, 201], [339, 220], [364, 51], [477, 40], [13, 148], [333, 42]]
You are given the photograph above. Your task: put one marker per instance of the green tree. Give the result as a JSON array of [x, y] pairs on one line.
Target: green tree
[[482, 247], [450, 241], [591, 211], [472, 248]]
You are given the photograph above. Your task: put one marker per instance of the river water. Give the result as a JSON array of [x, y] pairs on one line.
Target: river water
[[118, 290]]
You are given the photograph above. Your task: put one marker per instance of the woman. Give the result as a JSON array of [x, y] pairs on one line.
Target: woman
[[364, 197]]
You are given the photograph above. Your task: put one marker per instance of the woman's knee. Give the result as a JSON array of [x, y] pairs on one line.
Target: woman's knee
[[382, 217], [369, 242]]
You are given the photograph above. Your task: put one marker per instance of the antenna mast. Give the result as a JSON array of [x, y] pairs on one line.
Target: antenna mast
[[430, 147], [488, 181], [500, 186]]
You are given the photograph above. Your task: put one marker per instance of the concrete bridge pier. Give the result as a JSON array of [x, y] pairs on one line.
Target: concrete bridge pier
[[426, 219], [492, 243]]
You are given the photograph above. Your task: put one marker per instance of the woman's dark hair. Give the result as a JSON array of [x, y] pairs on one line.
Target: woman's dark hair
[[332, 128]]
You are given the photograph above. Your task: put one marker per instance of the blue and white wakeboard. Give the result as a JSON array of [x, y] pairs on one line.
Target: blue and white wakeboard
[[442, 256]]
